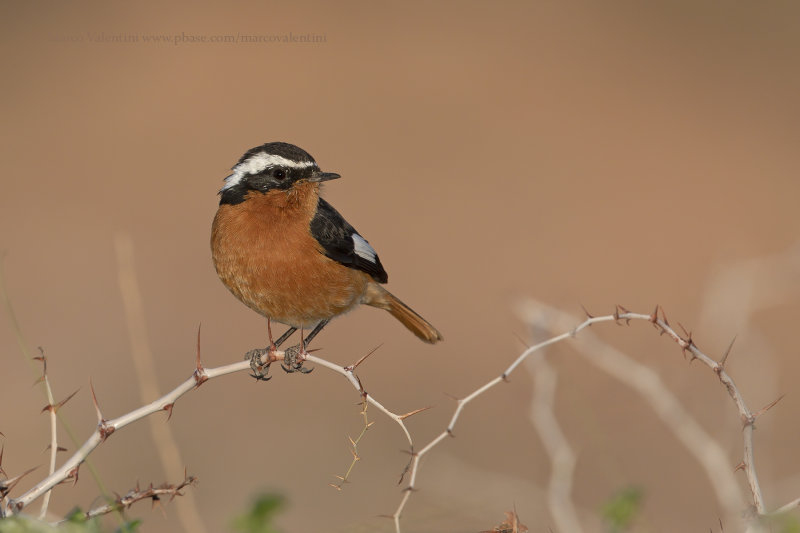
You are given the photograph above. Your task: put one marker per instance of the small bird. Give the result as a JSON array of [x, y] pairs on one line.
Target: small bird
[[287, 254]]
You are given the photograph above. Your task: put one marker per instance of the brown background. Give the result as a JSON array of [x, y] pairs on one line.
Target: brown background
[[579, 153]]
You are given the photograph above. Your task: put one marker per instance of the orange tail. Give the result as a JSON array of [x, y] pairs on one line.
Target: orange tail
[[377, 296]]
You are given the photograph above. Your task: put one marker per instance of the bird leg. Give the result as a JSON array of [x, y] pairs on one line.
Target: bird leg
[[257, 365], [296, 355]]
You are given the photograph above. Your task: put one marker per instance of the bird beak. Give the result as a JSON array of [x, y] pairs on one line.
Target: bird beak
[[317, 177]]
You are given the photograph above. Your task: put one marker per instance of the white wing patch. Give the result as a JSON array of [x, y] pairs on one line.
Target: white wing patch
[[363, 249], [257, 163]]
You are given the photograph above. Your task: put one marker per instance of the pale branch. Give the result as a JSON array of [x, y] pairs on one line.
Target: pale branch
[[69, 470], [144, 363], [413, 468], [7, 485], [687, 345], [620, 315], [791, 506], [348, 372], [51, 409], [709, 454], [562, 457], [105, 427]]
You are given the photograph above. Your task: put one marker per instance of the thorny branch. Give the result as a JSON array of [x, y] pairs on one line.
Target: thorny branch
[[69, 470], [51, 408], [621, 316], [354, 449], [105, 428], [645, 381], [155, 494]]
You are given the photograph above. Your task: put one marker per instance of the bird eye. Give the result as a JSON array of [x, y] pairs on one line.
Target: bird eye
[[279, 174]]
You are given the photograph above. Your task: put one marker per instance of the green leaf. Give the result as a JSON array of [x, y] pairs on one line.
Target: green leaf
[[259, 518], [129, 527], [622, 509], [784, 523]]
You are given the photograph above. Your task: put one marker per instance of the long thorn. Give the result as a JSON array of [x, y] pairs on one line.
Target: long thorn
[[727, 352]]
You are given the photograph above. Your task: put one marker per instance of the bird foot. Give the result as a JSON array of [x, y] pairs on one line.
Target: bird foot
[[257, 365], [293, 359]]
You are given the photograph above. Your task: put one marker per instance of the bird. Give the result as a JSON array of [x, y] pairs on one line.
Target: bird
[[287, 254]]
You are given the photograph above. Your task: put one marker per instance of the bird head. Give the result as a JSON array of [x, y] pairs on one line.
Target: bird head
[[272, 166]]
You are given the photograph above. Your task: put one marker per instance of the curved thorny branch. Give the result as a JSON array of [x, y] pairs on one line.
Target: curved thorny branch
[[622, 316], [106, 427]]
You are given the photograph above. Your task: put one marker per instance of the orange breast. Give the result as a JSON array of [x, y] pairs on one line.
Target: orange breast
[[265, 254]]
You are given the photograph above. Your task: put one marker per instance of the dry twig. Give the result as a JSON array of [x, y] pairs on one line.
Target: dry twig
[[562, 457], [147, 373], [51, 408], [156, 494]]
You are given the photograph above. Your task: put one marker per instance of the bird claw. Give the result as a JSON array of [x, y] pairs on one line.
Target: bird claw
[[294, 359], [260, 370]]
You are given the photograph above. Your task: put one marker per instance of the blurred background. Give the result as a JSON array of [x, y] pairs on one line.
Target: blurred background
[[578, 153]]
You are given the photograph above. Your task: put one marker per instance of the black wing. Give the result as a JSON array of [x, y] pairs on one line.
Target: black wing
[[342, 243]]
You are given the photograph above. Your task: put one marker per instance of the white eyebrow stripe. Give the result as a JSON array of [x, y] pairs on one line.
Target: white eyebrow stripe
[[258, 163], [363, 249]]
